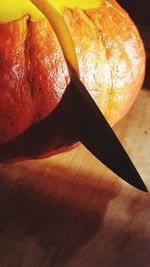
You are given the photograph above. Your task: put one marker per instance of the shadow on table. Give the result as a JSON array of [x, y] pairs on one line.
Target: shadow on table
[[44, 218]]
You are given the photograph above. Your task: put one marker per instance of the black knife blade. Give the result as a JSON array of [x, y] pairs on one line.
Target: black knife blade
[[99, 138]]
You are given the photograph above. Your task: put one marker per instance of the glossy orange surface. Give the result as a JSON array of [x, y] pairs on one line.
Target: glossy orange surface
[[111, 56], [34, 75]]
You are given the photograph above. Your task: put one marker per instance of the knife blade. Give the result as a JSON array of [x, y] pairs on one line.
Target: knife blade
[[99, 138]]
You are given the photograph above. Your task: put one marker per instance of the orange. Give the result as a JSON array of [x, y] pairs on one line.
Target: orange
[[34, 74]]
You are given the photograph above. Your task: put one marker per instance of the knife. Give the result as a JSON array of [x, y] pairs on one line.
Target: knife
[[99, 138]]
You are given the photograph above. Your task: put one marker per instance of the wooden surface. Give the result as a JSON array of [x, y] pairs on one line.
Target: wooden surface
[[69, 210]]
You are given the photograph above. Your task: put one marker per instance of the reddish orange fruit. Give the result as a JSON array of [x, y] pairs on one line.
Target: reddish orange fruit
[[34, 75]]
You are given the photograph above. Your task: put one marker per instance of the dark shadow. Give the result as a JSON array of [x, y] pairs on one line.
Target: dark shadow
[[44, 218]]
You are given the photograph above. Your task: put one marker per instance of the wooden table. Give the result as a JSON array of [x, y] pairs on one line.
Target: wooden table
[[69, 210]]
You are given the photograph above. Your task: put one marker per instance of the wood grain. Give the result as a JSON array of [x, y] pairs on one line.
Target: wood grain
[[69, 210]]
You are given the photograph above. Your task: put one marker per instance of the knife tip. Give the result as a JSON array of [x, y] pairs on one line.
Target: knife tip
[[141, 186], [144, 189]]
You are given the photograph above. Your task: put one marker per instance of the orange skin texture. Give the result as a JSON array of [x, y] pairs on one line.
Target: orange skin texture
[[111, 57], [34, 75]]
